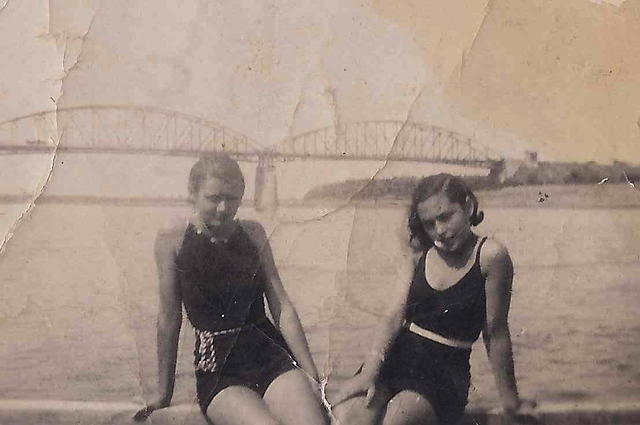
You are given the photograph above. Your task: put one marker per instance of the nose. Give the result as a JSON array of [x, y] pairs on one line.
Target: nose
[[440, 229]]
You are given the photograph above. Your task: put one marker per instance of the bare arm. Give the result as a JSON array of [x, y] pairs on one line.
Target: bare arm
[[387, 332], [282, 310], [393, 320], [169, 313], [498, 268], [169, 319]]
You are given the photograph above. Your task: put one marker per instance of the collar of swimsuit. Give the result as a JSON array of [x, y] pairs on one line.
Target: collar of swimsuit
[[202, 229], [212, 239]]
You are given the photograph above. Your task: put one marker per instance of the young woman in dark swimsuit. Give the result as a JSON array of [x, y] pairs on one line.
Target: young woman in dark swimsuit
[[219, 269], [458, 286]]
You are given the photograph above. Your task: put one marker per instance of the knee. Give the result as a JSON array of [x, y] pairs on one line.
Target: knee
[[408, 407], [294, 382], [293, 398], [239, 405], [221, 419], [354, 411]]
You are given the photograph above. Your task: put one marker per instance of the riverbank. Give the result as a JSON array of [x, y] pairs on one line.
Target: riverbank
[[619, 195], [586, 196]]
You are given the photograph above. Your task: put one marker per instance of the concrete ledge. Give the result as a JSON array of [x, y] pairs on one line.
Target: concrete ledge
[[35, 412], [569, 414]]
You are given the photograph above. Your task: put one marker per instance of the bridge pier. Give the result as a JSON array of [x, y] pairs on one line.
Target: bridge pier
[[498, 172], [501, 171], [266, 192]]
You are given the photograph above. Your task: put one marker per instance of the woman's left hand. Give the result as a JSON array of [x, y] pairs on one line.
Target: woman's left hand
[[524, 413], [142, 414]]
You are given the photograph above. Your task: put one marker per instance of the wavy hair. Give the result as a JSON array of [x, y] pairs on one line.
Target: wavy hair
[[217, 164], [456, 190]]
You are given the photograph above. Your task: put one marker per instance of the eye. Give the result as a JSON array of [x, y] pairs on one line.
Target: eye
[[428, 223]]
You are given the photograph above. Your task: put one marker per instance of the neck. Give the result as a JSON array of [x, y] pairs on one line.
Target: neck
[[220, 232], [460, 255]]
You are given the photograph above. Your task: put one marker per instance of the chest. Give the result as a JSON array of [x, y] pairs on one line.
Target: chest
[[202, 260], [441, 276]]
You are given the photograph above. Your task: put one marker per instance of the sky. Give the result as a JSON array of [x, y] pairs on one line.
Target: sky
[[561, 77]]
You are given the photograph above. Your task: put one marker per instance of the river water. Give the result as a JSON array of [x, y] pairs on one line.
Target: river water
[[78, 302]]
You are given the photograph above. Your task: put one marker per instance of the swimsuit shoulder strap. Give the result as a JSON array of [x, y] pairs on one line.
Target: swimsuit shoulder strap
[[482, 241], [421, 263]]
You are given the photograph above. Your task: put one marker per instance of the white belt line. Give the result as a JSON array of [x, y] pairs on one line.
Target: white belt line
[[456, 343]]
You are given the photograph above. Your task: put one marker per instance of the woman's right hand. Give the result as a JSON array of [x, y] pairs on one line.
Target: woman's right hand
[[360, 385], [142, 414]]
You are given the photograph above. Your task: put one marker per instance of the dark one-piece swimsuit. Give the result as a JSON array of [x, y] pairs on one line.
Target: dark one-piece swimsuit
[[222, 286], [438, 372]]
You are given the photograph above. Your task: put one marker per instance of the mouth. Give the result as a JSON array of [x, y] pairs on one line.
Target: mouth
[[218, 221], [442, 243], [445, 243], [215, 220]]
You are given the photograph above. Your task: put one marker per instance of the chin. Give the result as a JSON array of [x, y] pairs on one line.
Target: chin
[[452, 247], [441, 247], [222, 222], [213, 223]]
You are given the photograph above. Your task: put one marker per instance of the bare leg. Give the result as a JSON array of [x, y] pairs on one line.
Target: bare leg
[[409, 408], [239, 406], [355, 412], [293, 400]]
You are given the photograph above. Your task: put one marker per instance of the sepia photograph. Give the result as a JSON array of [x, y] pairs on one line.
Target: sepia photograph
[[327, 212]]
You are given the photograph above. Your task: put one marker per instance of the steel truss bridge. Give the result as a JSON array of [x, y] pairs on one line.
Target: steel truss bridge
[[117, 129], [121, 129]]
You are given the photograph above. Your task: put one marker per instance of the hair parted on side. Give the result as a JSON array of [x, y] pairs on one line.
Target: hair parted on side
[[456, 190], [216, 164]]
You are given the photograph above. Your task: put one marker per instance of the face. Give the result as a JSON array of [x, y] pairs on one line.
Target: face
[[446, 222], [217, 201]]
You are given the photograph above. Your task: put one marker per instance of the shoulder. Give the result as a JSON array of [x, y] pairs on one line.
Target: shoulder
[[259, 238], [254, 230], [493, 254], [169, 237], [493, 249]]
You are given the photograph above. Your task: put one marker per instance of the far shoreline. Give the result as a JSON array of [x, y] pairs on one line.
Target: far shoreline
[[540, 196], [556, 196]]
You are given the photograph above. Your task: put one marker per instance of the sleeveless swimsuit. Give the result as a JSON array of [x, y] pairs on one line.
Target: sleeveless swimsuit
[[438, 372], [222, 286]]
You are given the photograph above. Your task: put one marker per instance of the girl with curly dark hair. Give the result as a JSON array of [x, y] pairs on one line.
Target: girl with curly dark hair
[[458, 286]]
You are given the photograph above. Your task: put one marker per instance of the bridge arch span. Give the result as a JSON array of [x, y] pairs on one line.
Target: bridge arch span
[[122, 129], [388, 140]]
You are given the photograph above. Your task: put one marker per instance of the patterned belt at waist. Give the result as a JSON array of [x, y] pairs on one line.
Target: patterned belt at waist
[[205, 354], [231, 330]]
